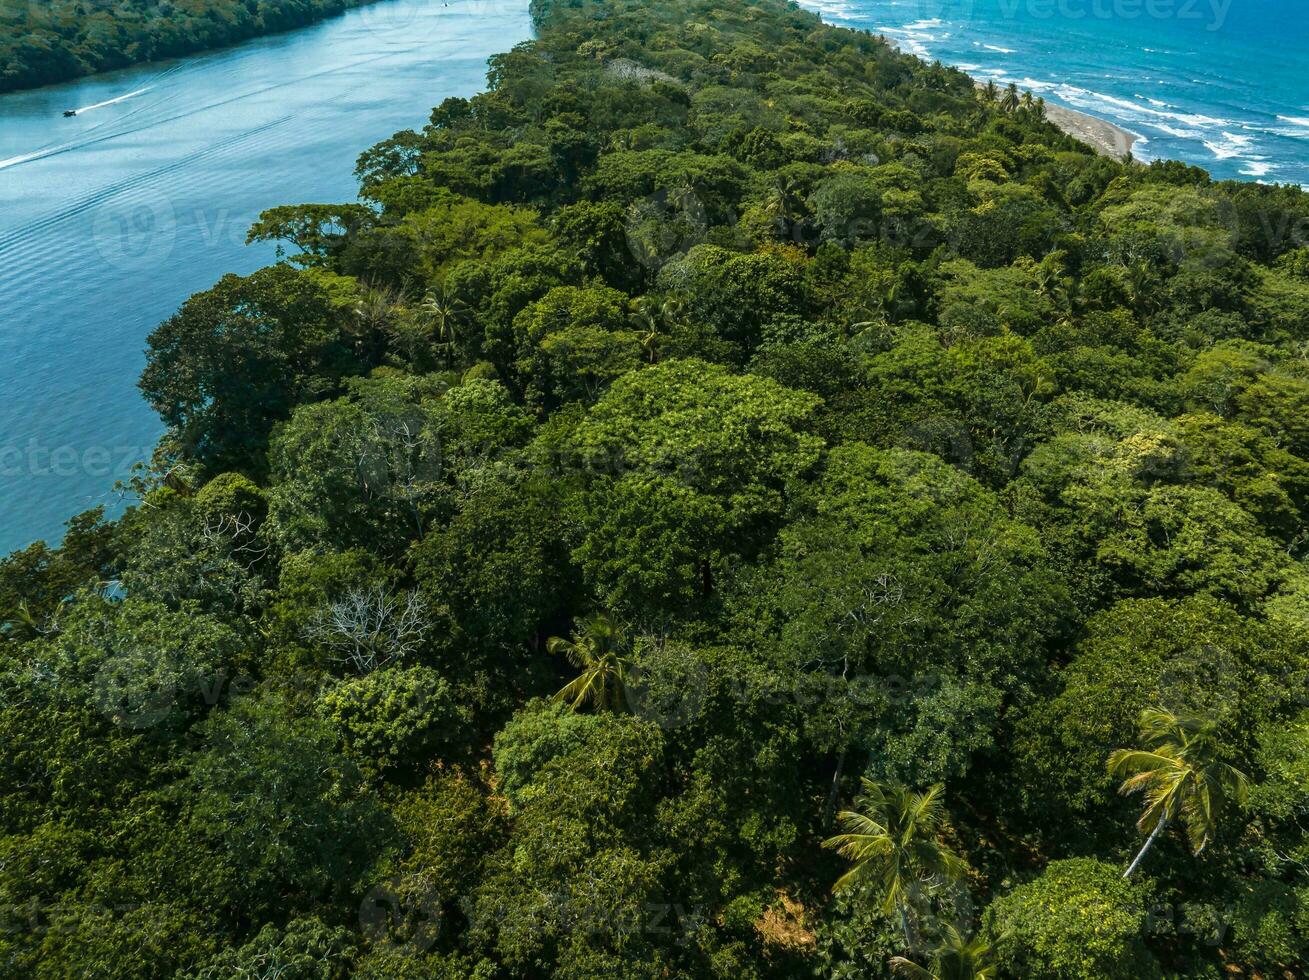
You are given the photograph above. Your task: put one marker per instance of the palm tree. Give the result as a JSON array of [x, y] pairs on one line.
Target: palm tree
[[597, 650], [891, 838], [647, 317], [956, 958], [1142, 286], [374, 308], [1009, 102], [1181, 775], [374, 314], [991, 92], [442, 312]]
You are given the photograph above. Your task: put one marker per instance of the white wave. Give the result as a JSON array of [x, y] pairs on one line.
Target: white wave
[[1088, 99], [121, 98], [914, 43], [1230, 146], [1257, 168], [1296, 120], [996, 47], [1181, 134], [15, 161], [831, 9], [924, 25]]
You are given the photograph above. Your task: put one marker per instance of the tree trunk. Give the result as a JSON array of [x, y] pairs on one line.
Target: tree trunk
[[836, 787], [908, 933], [1149, 842]]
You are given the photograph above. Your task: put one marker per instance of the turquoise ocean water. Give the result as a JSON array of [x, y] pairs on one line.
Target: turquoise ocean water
[[1223, 84]]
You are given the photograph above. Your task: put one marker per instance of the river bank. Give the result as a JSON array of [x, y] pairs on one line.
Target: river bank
[[46, 44]]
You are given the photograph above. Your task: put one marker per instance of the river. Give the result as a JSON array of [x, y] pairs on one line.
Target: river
[[111, 218]]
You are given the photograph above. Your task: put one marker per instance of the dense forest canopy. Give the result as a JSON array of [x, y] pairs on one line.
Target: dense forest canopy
[[44, 41], [731, 500]]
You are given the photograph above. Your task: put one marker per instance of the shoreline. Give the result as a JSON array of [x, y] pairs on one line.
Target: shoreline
[[1106, 138]]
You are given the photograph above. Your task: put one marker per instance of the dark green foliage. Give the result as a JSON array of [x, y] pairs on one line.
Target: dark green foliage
[[55, 40], [237, 358], [853, 423]]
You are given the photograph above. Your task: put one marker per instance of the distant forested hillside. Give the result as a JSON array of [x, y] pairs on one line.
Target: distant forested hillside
[[44, 41], [729, 501]]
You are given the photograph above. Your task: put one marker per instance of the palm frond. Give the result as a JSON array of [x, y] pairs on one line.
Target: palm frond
[[908, 968]]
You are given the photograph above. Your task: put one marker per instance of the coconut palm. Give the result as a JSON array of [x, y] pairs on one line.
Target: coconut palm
[[1009, 101], [991, 92], [374, 315], [891, 836], [648, 318], [956, 958], [1181, 776], [597, 649], [1142, 287], [442, 312]]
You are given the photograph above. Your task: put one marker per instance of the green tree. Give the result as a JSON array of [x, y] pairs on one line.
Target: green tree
[[599, 650], [237, 358], [1079, 920], [1181, 775], [892, 836], [957, 958]]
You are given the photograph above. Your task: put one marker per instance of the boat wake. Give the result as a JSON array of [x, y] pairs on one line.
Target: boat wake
[[109, 102], [160, 110]]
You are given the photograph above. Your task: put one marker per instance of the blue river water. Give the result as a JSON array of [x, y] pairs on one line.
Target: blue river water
[[1223, 84], [111, 218]]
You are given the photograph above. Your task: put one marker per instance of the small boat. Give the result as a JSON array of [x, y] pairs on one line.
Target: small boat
[[69, 112]]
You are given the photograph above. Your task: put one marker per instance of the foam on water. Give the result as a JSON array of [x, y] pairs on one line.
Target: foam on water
[[1230, 146], [1228, 86], [108, 102]]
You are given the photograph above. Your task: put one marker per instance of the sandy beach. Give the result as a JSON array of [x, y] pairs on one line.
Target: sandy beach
[[1104, 136], [1100, 134]]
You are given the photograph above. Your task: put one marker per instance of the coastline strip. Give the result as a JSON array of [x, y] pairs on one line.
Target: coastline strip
[[1100, 134]]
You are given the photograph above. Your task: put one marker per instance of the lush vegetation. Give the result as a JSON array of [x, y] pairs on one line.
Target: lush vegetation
[[731, 500], [44, 41]]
